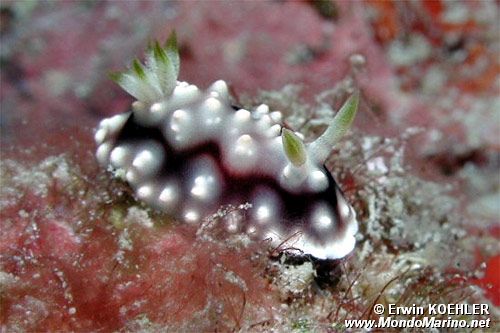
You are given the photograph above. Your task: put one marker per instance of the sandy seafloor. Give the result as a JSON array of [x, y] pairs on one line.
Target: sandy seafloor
[[420, 165]]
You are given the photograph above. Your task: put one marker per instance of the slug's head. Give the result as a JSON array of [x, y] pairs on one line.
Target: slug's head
[[305, 161]]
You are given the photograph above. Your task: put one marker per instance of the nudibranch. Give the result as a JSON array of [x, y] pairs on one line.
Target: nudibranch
[[188, 152]]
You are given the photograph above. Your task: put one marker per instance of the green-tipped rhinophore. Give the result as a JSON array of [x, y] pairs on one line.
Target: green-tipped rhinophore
[[321, 147], [294, 148]]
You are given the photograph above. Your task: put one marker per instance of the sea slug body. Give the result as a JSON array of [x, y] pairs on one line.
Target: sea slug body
[[188, 152]]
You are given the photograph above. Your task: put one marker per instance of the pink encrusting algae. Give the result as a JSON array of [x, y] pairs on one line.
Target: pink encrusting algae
[[103, 266]]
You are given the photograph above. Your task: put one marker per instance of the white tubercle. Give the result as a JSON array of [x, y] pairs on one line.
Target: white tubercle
[[261, 110], [322, 218], [264, 123], [212, 104], [100, 135], [102, 153], [148, 160], [205, 183], [241, 118], [158, 112], [266, 213], [121, 156], [212, 114], [183, 94], [242, 155], [273, 131], [132, 177], [191, 215], [266, 206], [169, 196], [180, 129], [317, 181], [115, 123], [139, 162], [220, 87], [109, 127], [146, 192], [276, 116]]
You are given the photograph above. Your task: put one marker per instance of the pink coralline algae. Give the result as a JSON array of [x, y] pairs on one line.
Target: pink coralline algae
[[100, 268]]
